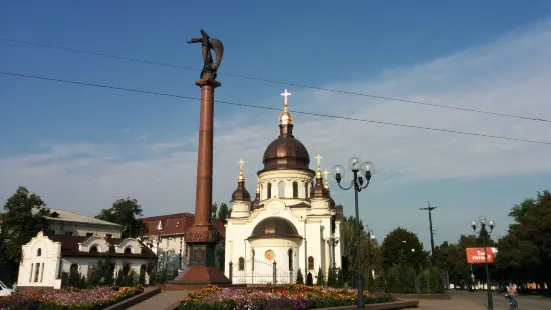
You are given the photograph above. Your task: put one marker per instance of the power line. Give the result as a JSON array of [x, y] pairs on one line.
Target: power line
[[157, 63], [269, 108]]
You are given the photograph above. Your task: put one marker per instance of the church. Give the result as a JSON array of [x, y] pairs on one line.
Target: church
[[292, 224]]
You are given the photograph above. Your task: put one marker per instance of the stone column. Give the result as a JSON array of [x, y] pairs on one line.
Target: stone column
[[202, 237]]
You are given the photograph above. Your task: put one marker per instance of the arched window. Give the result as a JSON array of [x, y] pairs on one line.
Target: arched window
[[93, 249], [295, 189], [39, 252], [241, 266], [269, 191], [128, 250], [310, 263], [281, 190], [290, 254], [306, 190]]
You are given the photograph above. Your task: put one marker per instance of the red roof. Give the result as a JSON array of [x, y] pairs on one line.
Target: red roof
[[69, 247], [178, 223]]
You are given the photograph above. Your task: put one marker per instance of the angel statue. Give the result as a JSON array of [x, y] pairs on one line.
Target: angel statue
[[209, 67]]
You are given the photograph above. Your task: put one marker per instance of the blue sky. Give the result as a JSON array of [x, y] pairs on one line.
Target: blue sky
[[81, 147]]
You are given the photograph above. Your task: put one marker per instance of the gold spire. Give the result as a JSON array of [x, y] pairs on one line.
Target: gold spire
[[285, 118], [241, 177]]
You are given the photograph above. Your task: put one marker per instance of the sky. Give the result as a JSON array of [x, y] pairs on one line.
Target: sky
[[81, 148]]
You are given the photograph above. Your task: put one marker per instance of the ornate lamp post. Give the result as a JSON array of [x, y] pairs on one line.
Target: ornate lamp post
[[362, 173], [486, 228]]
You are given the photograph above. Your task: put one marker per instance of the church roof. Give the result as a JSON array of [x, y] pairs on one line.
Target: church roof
[[274, 227], [67, 216]]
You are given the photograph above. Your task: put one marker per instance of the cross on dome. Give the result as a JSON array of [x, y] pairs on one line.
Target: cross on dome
[[241, 162], [286, 94], [319, 160]]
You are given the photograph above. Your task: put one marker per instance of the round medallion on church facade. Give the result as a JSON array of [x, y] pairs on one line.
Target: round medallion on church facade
[[270, 255]]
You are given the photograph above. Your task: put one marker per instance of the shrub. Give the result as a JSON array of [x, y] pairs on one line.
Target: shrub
[[300, 278], [320, 277]]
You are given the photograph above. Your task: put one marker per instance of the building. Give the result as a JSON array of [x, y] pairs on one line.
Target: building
[[292, 221], [47, 260], [166, 237], [65, 223]]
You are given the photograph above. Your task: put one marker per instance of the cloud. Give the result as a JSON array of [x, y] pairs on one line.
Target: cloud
[[510, 75]]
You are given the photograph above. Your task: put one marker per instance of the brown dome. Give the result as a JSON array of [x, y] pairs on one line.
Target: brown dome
[[286, 152], [274, 227], [241, 193]]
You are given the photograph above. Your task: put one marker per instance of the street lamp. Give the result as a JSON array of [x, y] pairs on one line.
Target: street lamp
[[362, 173], [486, 228]]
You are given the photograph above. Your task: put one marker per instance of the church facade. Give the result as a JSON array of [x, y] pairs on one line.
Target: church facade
[[291, 224]]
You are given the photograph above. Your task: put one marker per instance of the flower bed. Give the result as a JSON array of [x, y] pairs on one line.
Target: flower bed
[[73, 299], [289, 297]]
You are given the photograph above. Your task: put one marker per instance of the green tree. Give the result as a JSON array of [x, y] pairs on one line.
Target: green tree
[[402, 247], [214, 210], [525, 252], [300, 278], [22, 220], [221, 254], [223, 212], [125, 212]]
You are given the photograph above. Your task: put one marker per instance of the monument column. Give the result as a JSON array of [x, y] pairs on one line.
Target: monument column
[[202, 237]]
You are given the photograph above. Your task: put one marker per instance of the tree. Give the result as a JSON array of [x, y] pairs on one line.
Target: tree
[[23, 219], [320, 277], [221, 254], [125, 212], [300, 278], [214, 209], [525, 252], [402, 247], [223, 212]]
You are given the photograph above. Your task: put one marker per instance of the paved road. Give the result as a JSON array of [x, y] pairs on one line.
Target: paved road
[[160, 301], [462, 300]]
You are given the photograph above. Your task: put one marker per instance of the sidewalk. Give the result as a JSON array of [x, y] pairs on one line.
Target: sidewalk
[[160, 301]]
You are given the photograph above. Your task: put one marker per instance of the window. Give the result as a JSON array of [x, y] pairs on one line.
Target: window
[[306, 190], [108, 236], [295, 189], [128, 250], [68, 233], [241, 266], [281, 190], [93, 249], [88, 235], [36, 272], [269, 191], [290, 254], [39, 252], [310, 263]]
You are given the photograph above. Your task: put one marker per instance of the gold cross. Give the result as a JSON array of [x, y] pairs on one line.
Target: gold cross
[[241, 162], [286, 94], [319, 160]]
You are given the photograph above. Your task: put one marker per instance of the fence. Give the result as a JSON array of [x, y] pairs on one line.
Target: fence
[[260, 272], [404, 283]]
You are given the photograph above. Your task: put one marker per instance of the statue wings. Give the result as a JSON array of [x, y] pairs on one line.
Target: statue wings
[[218, 48]]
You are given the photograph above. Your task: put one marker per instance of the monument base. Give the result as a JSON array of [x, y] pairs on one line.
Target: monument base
[[202, 241]]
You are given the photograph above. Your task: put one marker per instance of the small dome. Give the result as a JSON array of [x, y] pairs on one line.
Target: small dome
[[285, 118], [274, 227], [241, 193]]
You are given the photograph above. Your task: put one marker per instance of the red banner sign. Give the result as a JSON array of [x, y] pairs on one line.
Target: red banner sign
[[476, 255]]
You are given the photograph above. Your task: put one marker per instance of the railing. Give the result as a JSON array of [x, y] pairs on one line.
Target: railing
[[260, 272]]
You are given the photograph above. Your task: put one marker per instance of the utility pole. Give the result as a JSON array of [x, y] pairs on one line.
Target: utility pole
[[433, 256]]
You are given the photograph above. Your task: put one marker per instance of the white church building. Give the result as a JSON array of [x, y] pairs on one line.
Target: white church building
[[292, 222]]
